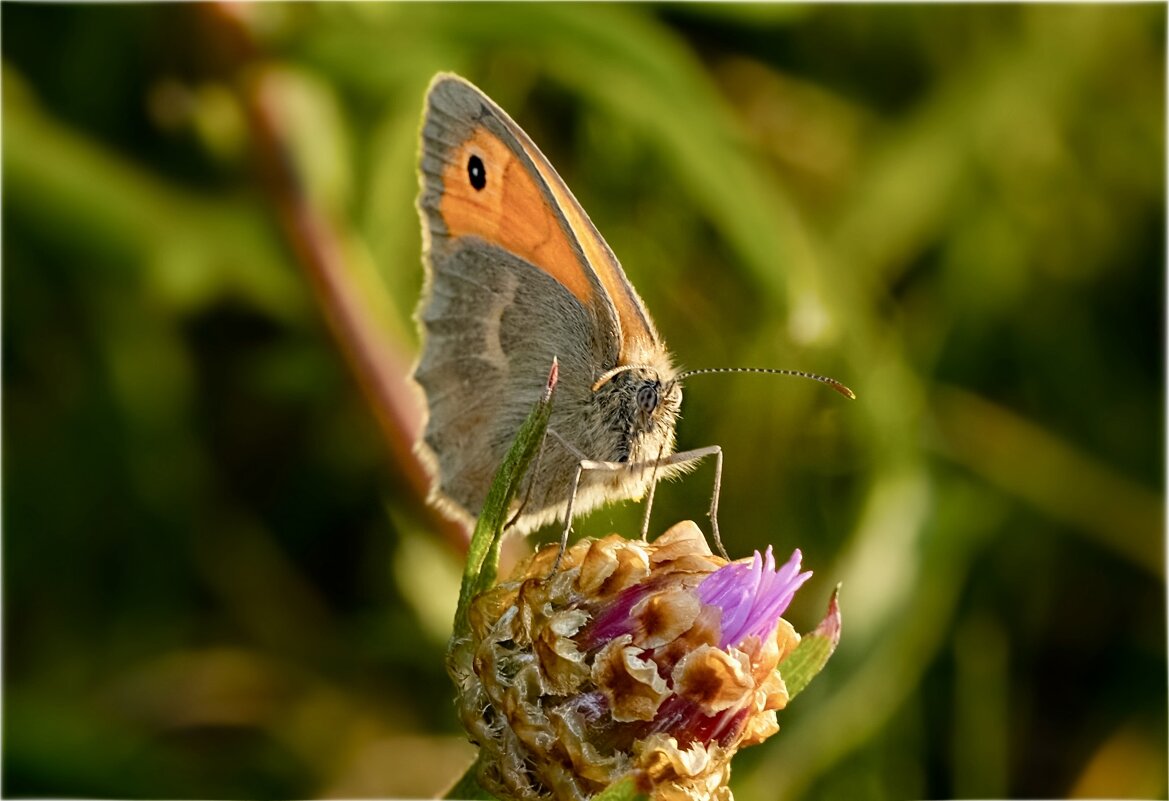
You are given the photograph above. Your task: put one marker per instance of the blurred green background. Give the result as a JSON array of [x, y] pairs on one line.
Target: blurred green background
[[217, 582]]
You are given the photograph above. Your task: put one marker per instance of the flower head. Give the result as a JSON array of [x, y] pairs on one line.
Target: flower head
[[656, 661]]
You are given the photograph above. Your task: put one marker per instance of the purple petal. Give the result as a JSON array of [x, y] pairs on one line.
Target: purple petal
[[752, 596]]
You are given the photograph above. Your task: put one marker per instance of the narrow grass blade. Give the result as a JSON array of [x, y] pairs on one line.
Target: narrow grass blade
[[483, 555]]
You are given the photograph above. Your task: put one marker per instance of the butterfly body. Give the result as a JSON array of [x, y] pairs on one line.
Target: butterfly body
[[516, 275]]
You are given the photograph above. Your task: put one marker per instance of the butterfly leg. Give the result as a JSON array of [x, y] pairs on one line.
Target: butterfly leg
[[649, 505], [677, 458], [718, 483], [683, 458], [580, 468]]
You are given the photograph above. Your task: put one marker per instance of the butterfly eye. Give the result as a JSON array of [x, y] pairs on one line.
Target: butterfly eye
[[477, 172], [647, 397]]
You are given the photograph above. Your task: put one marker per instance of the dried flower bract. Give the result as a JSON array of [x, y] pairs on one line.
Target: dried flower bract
[[651, 660]]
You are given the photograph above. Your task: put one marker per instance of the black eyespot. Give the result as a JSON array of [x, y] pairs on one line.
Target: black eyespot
[[477, 172], [647, 398]]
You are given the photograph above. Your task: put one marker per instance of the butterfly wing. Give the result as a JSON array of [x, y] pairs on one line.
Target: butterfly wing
[[510, 284], [517, 206], [492, 325]]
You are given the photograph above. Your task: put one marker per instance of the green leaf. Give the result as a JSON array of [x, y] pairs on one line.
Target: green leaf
[[810, 656], [622, 790], [483, 555]]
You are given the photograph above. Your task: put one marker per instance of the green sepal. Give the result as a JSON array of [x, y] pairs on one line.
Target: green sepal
[[621, 790], [810, 656], [467, 787]]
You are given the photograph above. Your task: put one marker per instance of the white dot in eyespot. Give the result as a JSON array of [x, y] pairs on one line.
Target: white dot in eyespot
[[476, 172]]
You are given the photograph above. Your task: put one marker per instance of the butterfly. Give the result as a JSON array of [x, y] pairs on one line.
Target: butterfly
[[517, 275]]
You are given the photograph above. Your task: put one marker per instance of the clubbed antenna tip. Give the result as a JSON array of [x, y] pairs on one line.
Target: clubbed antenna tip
[[841, 388]]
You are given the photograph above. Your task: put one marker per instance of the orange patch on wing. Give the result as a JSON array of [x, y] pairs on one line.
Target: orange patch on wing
[[637, 331], [510, 211]]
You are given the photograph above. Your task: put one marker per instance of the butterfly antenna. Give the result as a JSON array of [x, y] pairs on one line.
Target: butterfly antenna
[[823, 379], [622, 368]]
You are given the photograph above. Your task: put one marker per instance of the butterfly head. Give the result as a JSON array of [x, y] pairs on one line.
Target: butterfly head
[[642, 402]]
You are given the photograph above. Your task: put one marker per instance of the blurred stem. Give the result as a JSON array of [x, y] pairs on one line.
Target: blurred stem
[[1061, 482], [318, 245]]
